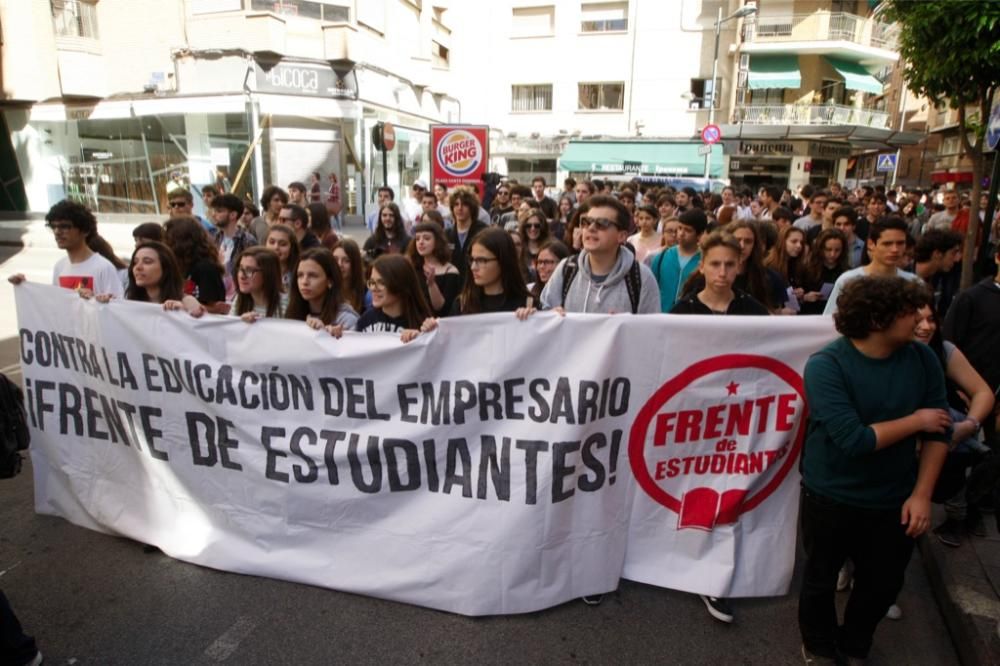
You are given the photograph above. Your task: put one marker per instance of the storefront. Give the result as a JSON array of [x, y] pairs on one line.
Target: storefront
[[232, 122], [597, 159], [785, 163]]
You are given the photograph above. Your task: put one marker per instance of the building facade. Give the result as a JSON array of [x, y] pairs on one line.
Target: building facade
[[124, 99]]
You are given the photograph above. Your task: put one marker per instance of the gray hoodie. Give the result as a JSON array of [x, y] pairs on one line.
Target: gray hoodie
[[611, 295]]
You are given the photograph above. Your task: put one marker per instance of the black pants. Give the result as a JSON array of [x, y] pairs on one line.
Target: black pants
[[15, 647], [880, 550]]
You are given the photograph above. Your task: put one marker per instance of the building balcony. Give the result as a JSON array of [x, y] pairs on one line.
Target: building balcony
[[845, 35], [810, 114]]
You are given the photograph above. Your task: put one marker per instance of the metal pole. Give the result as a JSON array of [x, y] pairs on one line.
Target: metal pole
[[902, 122], [149, 164], [711, 105]]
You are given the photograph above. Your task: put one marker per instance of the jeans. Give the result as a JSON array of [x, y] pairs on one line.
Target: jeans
[[880, 550], [15, 647]]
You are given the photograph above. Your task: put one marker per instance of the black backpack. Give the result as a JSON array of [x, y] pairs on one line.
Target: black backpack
[[633, 281], [14, 435]]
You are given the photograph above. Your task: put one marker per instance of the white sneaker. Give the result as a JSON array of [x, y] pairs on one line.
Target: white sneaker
[[37, 660], [894, 612], [844, 578]]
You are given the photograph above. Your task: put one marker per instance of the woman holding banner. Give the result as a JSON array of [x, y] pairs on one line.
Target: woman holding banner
[[154, 277], [257, 274], [398, 303], [316, 297]]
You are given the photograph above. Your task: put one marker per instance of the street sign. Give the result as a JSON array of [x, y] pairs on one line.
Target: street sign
[[705, 150], [711, 134], [388, 136], [993, 129], [886, 162]]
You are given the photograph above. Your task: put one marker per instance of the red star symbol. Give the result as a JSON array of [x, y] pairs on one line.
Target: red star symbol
[[731, 387]]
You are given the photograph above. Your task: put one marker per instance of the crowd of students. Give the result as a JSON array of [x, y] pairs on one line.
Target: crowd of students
[[638, 250]]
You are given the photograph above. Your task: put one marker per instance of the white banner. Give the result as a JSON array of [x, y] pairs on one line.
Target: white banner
[[494, 466]]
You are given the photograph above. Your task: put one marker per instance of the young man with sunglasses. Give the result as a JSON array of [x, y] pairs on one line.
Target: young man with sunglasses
[[606, 278], [501, 205], [181, 204]]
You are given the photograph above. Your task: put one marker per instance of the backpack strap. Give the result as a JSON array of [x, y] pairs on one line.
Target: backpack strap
[[633, 283], [569, 271]]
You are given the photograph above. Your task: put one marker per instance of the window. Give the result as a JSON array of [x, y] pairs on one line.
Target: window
[[950, 146], [604, 17], [531, 97], [439, 55], [532, 22], [766, 96], [74, 18], [701, 93], [601, 96], [833, 91], [323, 10]]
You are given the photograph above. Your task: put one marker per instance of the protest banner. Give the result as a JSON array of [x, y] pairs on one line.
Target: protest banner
[[493, 466]]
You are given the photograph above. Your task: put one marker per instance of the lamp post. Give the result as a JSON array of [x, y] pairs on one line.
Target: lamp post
[[746, 10]]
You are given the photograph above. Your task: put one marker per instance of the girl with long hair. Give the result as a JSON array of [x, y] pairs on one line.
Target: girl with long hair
[[198, 259], [154, 277], [557, 227], [389, 236], [257, 274], [534, 230], [827, 260], [549, 257], [398, 303], [352, 274], [430, 256], [281, 240], [785, 258], [573, 238], [753, 277], [316, 297], [646, 241], [497, 284]]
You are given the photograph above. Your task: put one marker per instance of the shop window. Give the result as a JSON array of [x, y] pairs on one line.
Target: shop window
[[601, 96], [604, 17], [323, 10], [74, 18], [532, 21], [702, 93], [531, 97]]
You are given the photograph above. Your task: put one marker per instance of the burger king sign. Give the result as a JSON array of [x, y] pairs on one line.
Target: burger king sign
[[459, 154]]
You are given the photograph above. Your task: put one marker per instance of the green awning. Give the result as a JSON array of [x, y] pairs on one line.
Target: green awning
[[641, 158], [856, 77], [774, 71]]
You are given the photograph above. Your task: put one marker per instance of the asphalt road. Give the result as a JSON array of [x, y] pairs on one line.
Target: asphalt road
[[90, 598]]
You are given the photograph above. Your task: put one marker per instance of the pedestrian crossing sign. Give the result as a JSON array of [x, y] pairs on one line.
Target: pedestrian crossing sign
[[886, 162]]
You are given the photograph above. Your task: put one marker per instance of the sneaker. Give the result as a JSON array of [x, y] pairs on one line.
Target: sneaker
[[844, 578], [718, 608], [593, 600], [894, 612], [816, 660], [950, 533], [37, 660]]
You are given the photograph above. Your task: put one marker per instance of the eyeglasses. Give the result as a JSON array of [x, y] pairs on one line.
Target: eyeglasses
[[58, 227], [479, 262], [248, 272], [602, 223], [533, 225], [545, 262], [376, 285], [503, 193], [178, 204]]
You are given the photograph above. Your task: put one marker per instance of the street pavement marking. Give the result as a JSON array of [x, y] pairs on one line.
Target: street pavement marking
[[226, 644]]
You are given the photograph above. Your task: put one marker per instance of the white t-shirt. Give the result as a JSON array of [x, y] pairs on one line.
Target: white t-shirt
[[854, 273], [95, 273]]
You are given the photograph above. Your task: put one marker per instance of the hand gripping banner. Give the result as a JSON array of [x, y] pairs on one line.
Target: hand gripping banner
[[493, 466]]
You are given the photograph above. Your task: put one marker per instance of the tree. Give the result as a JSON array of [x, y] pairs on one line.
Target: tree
[[951, 54]]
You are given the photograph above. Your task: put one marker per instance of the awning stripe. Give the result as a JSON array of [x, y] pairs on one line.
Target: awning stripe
[[774, 71]]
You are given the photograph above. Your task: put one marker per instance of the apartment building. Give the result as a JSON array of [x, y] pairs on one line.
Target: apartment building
[[949, 167], [115, 101], [810, 100]]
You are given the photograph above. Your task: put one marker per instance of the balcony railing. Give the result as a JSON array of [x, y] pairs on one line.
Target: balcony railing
[[810, 114], [821, 26]]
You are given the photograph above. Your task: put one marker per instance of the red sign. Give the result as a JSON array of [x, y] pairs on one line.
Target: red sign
[[388, 136], [459, 154], [711, 134]]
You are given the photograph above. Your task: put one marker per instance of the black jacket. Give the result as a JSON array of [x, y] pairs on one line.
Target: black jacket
[[460, 253], [973, 324]]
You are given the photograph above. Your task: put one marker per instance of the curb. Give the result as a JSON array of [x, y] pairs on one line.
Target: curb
[[967, 600]]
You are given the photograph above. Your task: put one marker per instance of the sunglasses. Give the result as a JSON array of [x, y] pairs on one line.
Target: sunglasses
[[177, 204], [533, 225], [602, 223], [62, 226]]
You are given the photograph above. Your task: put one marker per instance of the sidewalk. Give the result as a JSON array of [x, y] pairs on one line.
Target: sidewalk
[[966, 583]]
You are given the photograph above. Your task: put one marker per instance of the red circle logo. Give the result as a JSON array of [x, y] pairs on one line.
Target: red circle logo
[[725, 433]]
